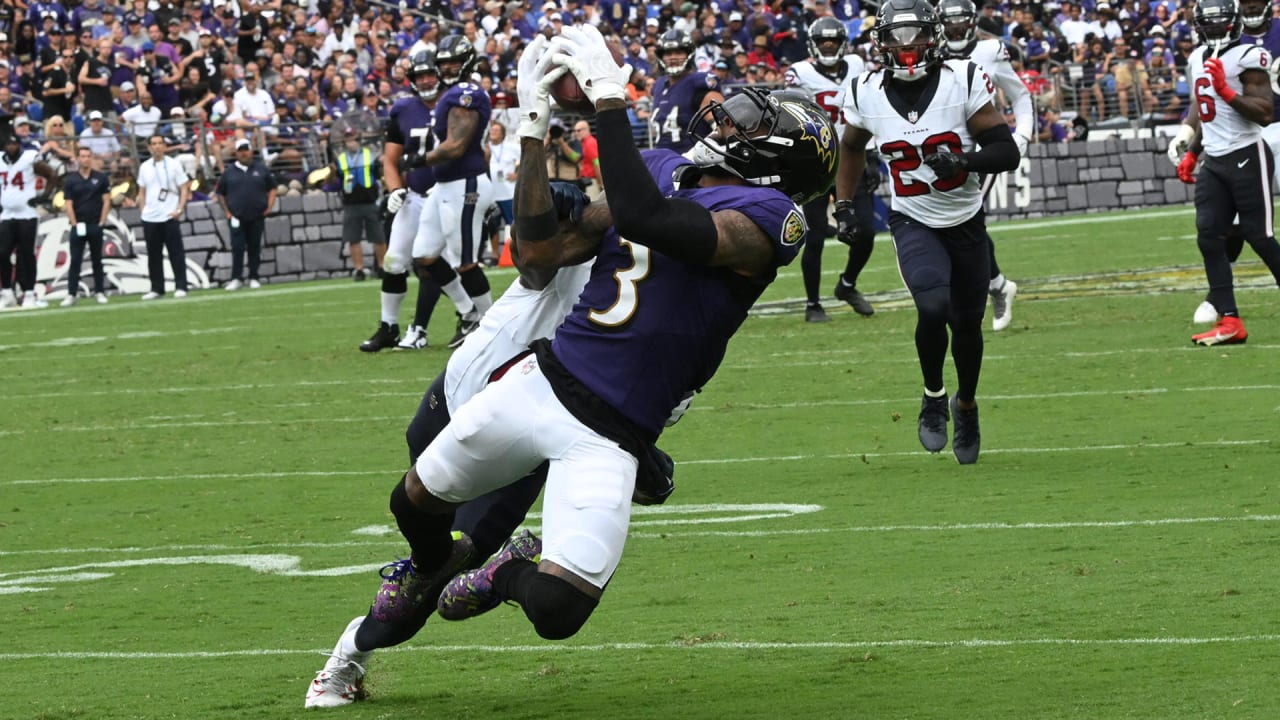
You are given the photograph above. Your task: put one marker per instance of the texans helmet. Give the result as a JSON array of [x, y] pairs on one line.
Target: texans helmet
[[455, 49], [907, 37], [424, 76], [780, 140], [1218, 23], [959, 26], [676, 41], [830, 35]]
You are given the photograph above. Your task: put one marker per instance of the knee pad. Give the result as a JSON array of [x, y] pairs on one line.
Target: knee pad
[[475, 282], [396, 284], [394, 264], [933, 305], [440, 272], [556, 608]]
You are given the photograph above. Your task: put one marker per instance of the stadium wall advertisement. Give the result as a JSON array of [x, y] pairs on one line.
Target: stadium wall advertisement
[[303, 237]]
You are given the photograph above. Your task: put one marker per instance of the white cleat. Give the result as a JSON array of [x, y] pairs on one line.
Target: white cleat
[[415, 338], [153, 295], [1205, 314], [68, 301], [179, 293], [233, 286], [29, 300], [1002, 305], [341, 681], [254, 284], [7, 298], [101, 298]]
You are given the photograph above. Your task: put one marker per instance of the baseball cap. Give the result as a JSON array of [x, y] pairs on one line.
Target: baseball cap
[[204, 30], [243, 145], [349, 132], [556, 17], [148, 46], [721, 65], [4, 37], [132, 19], [174, 21], [95, 115], [177, 111], [735, 16], [126, 86]]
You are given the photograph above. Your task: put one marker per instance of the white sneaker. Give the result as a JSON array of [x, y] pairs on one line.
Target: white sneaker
[[29, 300], [1206, 314], [179, 293], [254, 284], [153, 295], [1002, 305], [101, 298], [233, 285], [341, 681], [415, 338], [7, 298], [68, 301]]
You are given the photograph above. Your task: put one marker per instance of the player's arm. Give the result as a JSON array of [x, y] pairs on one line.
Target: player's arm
[[1256, 102], [997, 151], [676, 227], [391, 166], [1017, 95], [463, 124], [541, 242], [853, 162]]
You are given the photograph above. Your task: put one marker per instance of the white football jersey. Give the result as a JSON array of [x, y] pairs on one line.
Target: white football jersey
[[1223, 130], [905, 139], [518, 318], [825, 91], [992, 56], [18, 184]]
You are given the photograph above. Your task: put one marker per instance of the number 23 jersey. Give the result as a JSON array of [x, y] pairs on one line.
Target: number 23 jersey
[[939, 122]]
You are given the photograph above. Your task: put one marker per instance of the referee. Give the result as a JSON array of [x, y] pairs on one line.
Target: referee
[[88, 200], [247, 191]]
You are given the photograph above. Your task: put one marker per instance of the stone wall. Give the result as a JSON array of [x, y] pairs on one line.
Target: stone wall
[[1110, 174], [303, 239]]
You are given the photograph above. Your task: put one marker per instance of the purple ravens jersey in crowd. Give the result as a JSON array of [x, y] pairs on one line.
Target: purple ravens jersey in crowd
[[675, 105], [468, 96], [408, 125], [648, 329], [1271, 42]]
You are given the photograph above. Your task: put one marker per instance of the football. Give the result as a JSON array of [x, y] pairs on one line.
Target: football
[[568, 93]]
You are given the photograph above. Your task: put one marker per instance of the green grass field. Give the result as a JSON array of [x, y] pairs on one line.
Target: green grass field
[[193, 503]]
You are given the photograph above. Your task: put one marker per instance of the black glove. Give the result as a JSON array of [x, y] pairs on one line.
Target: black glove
[[946, 164], [655, 478], [568, 200], [871, 173], [846, 221]]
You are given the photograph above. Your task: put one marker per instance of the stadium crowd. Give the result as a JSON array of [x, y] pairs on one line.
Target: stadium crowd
[[294, 67]]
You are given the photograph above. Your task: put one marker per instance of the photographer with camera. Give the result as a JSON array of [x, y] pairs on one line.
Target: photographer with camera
[[560, 166], [587, 155]]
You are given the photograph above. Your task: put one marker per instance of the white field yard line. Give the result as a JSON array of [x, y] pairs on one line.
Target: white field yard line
[[676, 645], [394, 541], [681, 461], [179, 389]]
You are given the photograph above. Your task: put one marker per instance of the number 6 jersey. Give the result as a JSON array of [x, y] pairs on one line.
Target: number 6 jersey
[[1224, 130], [906, 134]]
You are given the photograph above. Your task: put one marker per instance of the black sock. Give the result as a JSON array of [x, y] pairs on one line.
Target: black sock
[[428, 296], [511, 579], [428, 535]]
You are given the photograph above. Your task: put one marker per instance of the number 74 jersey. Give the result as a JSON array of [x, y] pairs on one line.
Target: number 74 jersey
[[905, 135]]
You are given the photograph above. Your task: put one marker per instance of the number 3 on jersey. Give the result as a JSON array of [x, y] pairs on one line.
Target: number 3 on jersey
[[624, 306]]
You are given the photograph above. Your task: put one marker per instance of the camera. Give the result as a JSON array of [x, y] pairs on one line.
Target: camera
[[557, 130]]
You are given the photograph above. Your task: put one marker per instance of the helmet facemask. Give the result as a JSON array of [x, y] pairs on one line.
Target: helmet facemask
[[1218, 24], [958, 30], [828, 41], [908, 49], [1255, 15]]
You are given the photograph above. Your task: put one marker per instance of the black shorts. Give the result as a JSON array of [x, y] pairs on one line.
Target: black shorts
[[1238, 183], [956, 257]]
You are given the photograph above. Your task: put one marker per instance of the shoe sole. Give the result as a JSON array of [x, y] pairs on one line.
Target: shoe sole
[[1213, 341]]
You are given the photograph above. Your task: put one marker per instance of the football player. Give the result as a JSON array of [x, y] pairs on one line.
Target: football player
[[1255, 16], [1231, 87], [408, 137], [829, 69], [960, 22], [680, 95], [707, 237], [451, 227], [21, 172], [928, 116]]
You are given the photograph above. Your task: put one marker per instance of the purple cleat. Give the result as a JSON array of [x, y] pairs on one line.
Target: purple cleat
[[472, 593], [405, 589]]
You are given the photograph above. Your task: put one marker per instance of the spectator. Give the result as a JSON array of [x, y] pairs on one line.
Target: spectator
[[1106, 26], [247, 192], [58, 146], [165, 188], [255, 104], [57, 85], [1051, 128], [504, 158], [160, 76], [100, 140], [88, 200], [126, 97], [95, 79], [143, 119], [760, 54]]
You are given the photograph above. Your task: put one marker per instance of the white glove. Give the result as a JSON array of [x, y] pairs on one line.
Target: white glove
[[1022, 142], [395, 200], [584, 52], [533, 88], [1179, 144]]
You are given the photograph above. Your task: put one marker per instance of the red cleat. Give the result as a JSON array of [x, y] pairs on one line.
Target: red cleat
[[1228, 331]]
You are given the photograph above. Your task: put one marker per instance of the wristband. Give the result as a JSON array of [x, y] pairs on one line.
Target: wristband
[[843, 204]]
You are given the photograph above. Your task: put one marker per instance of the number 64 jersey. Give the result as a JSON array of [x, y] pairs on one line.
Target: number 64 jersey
[[905, 135]]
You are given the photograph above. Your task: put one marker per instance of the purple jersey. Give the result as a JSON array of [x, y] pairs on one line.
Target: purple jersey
[[467, 96], [1270, 41], [409, 124], [675, 105], [647, 329]]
